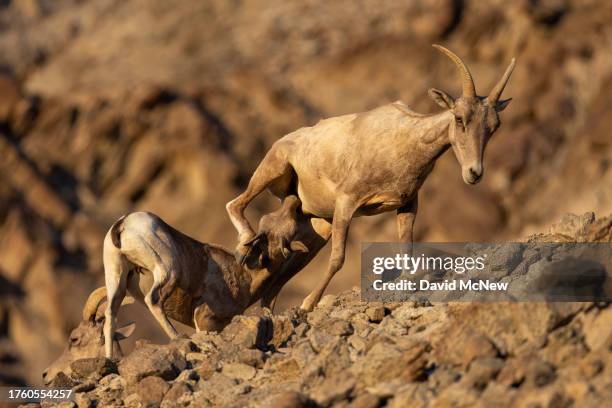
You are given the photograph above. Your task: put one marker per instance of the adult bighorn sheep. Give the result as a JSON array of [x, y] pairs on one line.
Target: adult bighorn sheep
[[373, 162], [198, 284]]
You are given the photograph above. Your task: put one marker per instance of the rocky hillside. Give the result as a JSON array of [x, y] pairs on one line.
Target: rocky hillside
[[109, 106], [347, 353]]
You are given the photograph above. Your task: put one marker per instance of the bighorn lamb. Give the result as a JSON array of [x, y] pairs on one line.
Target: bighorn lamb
[[87, 339], [373, 162], [198, 284]]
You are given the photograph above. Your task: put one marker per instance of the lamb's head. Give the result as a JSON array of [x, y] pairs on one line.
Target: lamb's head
[[276, 237], [475, 118], [87, 339]]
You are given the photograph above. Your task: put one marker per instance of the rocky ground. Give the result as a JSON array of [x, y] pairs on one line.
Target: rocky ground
[[111, 106], [347, 353]]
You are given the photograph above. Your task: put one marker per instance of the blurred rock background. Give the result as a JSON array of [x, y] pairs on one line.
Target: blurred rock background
[[112, 106]]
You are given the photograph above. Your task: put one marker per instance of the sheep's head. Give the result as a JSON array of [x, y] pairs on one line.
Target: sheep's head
[[475, 118], [275, 240], [87, 339]]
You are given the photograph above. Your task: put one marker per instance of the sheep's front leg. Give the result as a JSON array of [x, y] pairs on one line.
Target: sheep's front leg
[[272, 168], [343, 213], [405, 221], [164, 284]]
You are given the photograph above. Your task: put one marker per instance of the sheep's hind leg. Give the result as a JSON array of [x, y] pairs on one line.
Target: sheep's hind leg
[[115, 275], [273, 168], [343, 214], [164, 284]]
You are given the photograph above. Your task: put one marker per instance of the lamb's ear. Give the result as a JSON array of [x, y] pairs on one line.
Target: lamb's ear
[[124, 332], [501, 105], [298, 246], [441, 98]]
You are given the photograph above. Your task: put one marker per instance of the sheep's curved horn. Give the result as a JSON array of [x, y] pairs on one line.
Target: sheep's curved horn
[[93, 302], [469, 91], [497, 90], [95, 299]]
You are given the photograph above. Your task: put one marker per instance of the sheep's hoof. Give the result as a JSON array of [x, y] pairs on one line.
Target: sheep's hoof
[[308, 304]]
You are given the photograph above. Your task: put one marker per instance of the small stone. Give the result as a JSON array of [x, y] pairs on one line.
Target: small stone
[[177, 390], [188, 375], [206, 369], [591, 366], [61, 380], [365, 400], [375, 314], [195, 357], [151, 391], [301, 329], [184, 345], [337, 327], [287, 399], [132, 400], [328, 301], [282, 330], [83, 401], [84, 387], [483, 370], [540, 373], [239, 371], [357, 342], [252, 357]]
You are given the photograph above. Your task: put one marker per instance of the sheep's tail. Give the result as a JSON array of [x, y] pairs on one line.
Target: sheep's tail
[[115, 232]]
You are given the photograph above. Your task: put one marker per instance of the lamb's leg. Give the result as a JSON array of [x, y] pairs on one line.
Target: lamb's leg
[[343, 213], [164, 283], [272, 168], [115, 274]]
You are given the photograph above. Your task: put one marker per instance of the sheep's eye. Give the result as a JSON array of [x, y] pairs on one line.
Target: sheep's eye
[[74, 340], [459, 120]]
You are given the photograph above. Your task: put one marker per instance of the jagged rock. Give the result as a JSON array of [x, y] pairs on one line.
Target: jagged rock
[[288, 399], [375, 314], [239, 371], [386, 361], [481, 371], [248, 331], [282, 330], [175, 393], [95, 368], [252, 357], [151, 391], [165, 362], [63, 381]]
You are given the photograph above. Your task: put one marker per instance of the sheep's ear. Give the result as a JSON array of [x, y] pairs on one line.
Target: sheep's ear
[[298, 246], [501, 105], [443, 99], [251, 252], [125, 331]]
